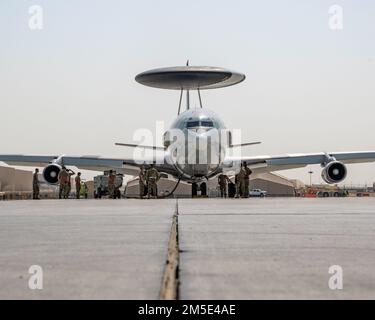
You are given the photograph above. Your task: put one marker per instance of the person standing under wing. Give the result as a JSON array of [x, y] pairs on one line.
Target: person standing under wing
[[36, 185]]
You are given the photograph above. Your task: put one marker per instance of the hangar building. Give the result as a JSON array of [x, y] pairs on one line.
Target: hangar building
[[15, 180], [274, 184]]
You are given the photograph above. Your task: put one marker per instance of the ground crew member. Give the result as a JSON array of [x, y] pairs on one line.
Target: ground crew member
[[111, 184], [69, 184], [146, 182], [240, 183], [247, 173], [237, 184], [152, 177], [142, 182], [223, 181], [36, 185], [78, 185], [63, 181], [84, 189]]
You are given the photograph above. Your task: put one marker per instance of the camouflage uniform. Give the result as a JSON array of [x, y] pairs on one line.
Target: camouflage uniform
[[78, 186], [152, 177], [63, 183], [35, 186], [236, 183], [240, 185], [142, 185], [69, 184], [223, 184], [111, 185], [247, 173]]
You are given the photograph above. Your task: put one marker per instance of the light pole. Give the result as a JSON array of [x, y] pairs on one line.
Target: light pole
[[311, 173]]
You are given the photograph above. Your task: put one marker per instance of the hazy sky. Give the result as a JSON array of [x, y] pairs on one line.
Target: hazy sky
[[69, 88]]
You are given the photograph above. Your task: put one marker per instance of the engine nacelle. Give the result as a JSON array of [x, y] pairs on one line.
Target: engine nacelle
[[51, 173], [334, 172]]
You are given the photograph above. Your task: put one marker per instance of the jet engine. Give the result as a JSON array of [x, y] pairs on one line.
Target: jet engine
[[334, 172], [51, 173]]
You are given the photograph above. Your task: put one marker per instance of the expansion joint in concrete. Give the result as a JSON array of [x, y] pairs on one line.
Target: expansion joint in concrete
[[171, 282]]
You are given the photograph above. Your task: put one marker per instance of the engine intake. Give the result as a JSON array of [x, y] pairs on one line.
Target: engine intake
[[334, 172], [51, 173]]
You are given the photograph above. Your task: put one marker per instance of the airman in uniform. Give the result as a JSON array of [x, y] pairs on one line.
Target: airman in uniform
[[142, 182], [69, 184], [63, 182], [36, 185], [223, 181], [246, 176], [240, 183], [152, 177], [78, 184], [111, 184], [236, 183]]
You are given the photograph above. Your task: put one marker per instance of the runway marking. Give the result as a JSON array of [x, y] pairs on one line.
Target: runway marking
[[171, 282]]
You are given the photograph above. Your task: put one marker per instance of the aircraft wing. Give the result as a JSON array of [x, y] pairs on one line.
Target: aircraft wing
[[126, 166], [27, 160], [292, 161]]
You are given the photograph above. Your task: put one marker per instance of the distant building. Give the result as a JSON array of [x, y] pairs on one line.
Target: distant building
[[275, 185], [15, 180]]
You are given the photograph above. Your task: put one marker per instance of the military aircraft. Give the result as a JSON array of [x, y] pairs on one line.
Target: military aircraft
[[188, 158]]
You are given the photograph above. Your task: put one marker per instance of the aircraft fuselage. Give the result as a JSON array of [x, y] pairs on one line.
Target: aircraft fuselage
[[199, 139]]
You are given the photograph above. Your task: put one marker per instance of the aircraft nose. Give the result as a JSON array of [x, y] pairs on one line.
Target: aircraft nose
[[201, 156], [204, 148]]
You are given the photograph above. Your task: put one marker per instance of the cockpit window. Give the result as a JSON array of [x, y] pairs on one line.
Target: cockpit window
[[207, 123], [195, 118], [203, 123], [192, 124]]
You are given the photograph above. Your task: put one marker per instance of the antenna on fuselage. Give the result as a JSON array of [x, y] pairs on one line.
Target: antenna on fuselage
[[200, 99], [179, 105], [187, 93], [187, 100]]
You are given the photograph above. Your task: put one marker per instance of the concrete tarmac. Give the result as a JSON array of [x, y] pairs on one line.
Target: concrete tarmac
[[277, 248], [88, 249], [230, 249]]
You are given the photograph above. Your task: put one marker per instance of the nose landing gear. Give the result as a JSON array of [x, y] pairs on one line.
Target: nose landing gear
[[199, 189]]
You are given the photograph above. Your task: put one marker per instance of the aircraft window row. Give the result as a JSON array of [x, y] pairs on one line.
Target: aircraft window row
[[203, 123]]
